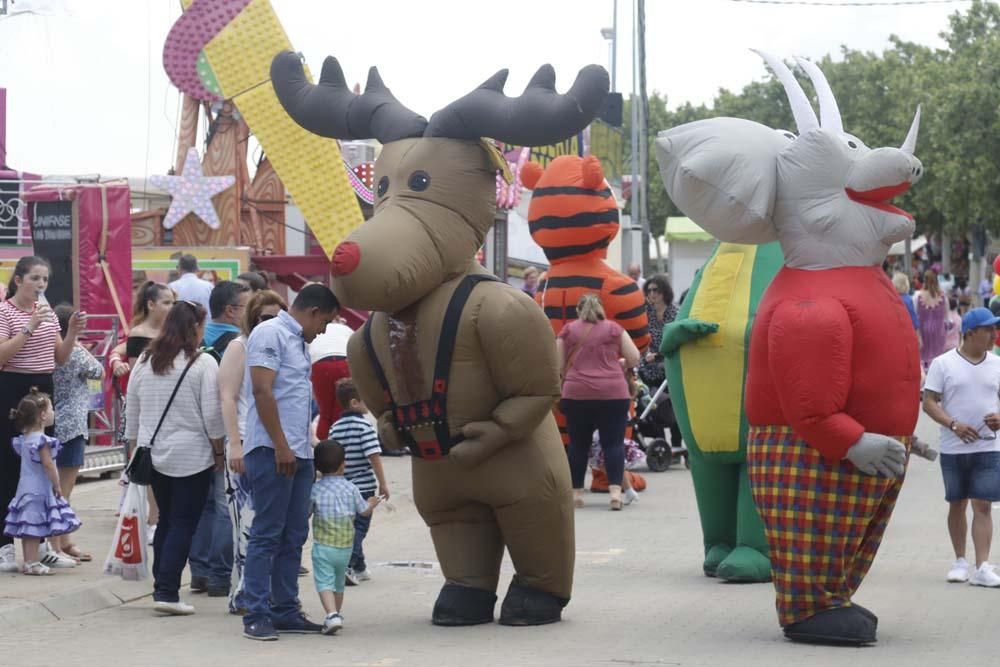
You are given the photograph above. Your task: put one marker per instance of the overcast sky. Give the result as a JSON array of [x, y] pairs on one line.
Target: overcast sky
[[87, 92]]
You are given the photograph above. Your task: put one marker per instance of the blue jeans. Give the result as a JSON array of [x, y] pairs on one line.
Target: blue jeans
[[280, 528], [361, 526], [975, 475], [212, 547], [181, 501]]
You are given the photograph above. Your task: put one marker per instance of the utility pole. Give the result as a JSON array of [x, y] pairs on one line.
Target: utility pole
[[634, 217], [614, 44], [640, 51]]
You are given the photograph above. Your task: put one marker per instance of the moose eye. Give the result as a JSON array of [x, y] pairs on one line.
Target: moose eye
[[788, 135], [383, 185], [852, 144], [419, 181]]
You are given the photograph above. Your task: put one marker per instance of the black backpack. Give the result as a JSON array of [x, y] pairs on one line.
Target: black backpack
[[217, 349]]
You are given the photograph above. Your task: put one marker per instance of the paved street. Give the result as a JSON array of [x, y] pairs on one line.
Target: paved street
[[639, 599]]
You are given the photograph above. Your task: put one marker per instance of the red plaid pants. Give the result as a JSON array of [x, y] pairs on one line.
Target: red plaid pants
[[824, 521]]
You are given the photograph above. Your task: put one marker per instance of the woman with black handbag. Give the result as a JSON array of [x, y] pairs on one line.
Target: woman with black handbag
[[174, 416]]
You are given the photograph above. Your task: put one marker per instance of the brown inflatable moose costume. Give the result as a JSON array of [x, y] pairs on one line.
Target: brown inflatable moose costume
[[458, 367]]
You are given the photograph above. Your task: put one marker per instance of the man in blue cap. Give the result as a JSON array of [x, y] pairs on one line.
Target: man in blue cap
[[962, 394]]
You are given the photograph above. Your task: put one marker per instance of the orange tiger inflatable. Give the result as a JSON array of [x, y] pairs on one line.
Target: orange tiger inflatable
[[573, 216]]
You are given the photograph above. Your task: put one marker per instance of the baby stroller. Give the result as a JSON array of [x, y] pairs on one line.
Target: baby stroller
[[654, 415]]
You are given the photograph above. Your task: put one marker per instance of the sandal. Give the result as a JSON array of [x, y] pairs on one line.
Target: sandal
[[36, 569], [74, 552], [578, 499]]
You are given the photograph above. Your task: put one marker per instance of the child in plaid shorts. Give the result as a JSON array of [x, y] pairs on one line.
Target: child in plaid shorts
[[335, 504]]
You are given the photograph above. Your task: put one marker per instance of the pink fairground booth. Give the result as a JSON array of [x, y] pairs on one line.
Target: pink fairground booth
[[84, 231]]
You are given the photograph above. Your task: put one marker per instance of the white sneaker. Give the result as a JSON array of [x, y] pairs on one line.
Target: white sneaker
[[985, 576], [47, 556], [959, 572], [350, 578], [332, 624], [173, 608], [362, 575], [630, 496], [8, 558]]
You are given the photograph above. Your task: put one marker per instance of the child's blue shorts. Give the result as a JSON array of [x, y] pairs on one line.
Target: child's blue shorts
[[330, 567]]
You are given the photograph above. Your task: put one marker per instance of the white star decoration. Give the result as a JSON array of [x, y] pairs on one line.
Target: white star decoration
[[192, 192]]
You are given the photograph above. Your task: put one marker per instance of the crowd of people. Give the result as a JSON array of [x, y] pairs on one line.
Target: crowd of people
[[936, 308], [217, 384], [225, 396]]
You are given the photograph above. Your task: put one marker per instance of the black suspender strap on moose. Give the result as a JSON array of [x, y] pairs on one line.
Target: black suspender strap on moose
[[433, 412]]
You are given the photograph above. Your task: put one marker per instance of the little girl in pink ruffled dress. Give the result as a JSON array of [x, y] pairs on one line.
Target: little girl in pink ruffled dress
[[38, 510]]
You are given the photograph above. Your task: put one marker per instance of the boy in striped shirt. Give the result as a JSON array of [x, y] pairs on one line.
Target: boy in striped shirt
[[363, 467]]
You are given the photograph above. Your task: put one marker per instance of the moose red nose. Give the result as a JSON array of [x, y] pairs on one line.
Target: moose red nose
[[346, 258]]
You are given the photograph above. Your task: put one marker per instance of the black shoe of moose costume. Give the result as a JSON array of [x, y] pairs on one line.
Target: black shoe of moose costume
[[840, 626], [463, 605], [530, 606]]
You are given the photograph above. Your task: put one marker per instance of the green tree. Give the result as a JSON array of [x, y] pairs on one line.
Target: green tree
[[877, 94]]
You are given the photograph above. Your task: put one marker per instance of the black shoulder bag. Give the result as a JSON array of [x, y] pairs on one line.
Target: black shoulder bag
[[140, 468]]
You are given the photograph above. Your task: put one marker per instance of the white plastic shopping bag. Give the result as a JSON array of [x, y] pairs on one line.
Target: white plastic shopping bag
[[127, 557]]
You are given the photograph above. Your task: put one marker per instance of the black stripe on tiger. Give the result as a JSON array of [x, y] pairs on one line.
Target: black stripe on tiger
[[570, 190], [565, 282], [573, 221], [637, 333], [565, 251], [626, 289], [629, 314], [557, 313]]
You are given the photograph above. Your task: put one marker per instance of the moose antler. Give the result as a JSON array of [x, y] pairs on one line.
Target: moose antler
[[538, 117], [331, 109]]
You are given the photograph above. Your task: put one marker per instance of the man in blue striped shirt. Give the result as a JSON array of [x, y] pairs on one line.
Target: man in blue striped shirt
[[363, 467]]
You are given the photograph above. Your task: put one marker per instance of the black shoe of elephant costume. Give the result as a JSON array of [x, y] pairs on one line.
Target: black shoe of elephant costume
[[463, 605], [841, 626], [530, 606]]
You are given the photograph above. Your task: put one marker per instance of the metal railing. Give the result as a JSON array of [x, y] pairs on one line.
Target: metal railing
[[111, 456]]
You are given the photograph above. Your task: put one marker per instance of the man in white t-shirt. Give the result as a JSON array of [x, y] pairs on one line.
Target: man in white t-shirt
[[189, 287], [962, 394], [635, 273]]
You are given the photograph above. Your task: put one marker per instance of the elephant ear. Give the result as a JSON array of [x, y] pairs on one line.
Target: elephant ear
[[722, 173]]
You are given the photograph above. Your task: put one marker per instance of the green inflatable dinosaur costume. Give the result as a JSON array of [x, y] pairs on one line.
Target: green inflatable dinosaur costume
[[705, 350]]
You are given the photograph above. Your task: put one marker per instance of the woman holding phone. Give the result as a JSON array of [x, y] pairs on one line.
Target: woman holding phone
[[30, 348]]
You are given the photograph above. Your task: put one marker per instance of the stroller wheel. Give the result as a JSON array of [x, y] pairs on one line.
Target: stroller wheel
[[658, 456]]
